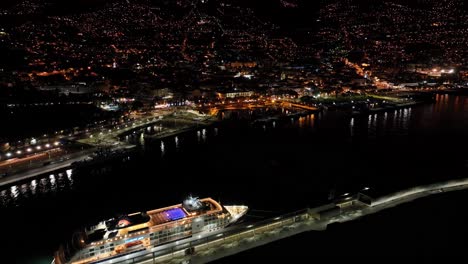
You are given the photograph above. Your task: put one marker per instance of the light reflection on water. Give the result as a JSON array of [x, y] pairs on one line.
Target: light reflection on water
[[3, 198], [395, 122], [69, 173], [24, 190], [142, 139], [369, 122], [163, 148], [198, 136], [176, 140], [53, 184], [15, 194], [33, 186], [43, 186], [204, 136], [303, 122]]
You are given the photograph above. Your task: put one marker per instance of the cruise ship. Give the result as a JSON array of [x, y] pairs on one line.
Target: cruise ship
[[145, 230]]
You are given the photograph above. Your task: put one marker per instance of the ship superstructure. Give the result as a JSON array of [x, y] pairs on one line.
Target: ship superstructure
[[145, 230]]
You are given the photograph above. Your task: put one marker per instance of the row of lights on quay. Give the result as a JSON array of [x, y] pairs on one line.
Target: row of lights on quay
[[28, 150]]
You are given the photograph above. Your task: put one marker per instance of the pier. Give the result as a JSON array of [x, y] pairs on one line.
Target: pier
[[109, 139], [245, 236]]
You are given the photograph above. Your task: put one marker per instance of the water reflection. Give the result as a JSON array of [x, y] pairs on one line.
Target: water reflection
[[396, 117], [42, 187], [404, 119], [14, 192], [33, 187], [363, 126], [301, 121], [52, 181], [307, 121], [369, 122], [142, 139], [61, 182], [3, 198], [312, 120], [69, 173], [163, 148], [204, 135], [24, 190]]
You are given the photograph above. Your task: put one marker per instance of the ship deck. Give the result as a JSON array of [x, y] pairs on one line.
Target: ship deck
[[177, 212], [171, 214]]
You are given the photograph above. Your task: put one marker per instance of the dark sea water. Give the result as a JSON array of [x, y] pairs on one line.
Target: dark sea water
[[278, 166]]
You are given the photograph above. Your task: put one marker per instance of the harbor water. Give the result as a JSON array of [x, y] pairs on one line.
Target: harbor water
[[277, 165]]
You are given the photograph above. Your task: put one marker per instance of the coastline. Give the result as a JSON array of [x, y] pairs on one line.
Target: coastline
[[189, 125], [184, 125], [114, 153], [388, 108]]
